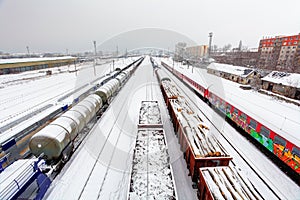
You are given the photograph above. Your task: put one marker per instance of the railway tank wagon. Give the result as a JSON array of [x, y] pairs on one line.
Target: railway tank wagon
[[285, 150], [122, 77], [55, 141], [107, 90]]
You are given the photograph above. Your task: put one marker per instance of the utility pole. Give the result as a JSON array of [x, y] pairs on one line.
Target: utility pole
[[210, 41], [27, 47], [95, 49], [117, 50], [95, 60]]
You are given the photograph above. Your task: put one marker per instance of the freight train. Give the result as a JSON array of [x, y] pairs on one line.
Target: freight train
[[55, 142], [282, 148], [200, 147], [202, 150]]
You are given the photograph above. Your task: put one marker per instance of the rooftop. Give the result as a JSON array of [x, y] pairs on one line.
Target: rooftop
[[231, 69], [288, 79], [24, 60]]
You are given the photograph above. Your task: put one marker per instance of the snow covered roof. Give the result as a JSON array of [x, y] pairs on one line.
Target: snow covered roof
[[289, 79], [231, 69], [24, 60]]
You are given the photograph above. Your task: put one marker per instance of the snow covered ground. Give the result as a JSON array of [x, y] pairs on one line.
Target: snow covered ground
[[284, 187], [26, 93], [100, 168]]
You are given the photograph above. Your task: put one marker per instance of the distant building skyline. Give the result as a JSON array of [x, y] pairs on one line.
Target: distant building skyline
[[54, 26]]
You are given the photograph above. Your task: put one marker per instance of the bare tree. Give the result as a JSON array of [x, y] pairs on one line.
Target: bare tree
[[227, 47], [215, 48], [179, 51]]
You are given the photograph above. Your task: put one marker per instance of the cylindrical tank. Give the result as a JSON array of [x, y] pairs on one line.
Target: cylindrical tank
[[95, 100], [77, 117], [121, 78], [69, 124], [84, 110], [104, 93], [127, 72], [114, 84], [51, 141], [90, 106]]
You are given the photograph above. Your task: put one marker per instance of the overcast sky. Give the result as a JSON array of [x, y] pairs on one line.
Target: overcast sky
[[57, 25]]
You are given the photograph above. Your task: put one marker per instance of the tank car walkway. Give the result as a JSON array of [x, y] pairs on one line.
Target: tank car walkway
[[100, 168]]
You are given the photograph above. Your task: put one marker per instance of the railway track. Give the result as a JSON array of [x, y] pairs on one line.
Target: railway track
[[258, 173], [85, 131], [106, 142], [29, 96]]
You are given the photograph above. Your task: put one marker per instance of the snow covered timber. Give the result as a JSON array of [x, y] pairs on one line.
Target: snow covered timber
[[225, 183]]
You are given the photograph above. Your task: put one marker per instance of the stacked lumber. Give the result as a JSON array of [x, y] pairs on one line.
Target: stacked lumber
[[228, 183]]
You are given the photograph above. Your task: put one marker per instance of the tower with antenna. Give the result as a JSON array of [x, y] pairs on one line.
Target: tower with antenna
[[210, 41], [27, 47], [240, 45], [95, 48]]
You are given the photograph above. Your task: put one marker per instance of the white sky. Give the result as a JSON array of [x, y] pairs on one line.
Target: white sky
[[56, 25]]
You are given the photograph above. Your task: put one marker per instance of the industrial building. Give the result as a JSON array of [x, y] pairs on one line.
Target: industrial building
[[17, 65], [197, 51], [237, 74], [286, 84]]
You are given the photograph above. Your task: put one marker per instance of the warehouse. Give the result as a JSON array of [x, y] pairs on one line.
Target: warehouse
[[237, 74], [17, 65], [286, 84]]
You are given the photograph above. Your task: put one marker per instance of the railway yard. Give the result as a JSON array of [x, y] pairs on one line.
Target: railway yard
[[143, 128]]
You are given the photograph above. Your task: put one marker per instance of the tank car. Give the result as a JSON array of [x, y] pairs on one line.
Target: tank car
[[55, 141], [50, 141], [107, 90], [127, 72], [121, 78]]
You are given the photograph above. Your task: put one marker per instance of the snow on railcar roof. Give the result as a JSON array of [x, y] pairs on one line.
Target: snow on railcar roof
[[279, 116], [236, 70], [288, 79], [24, 60]]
